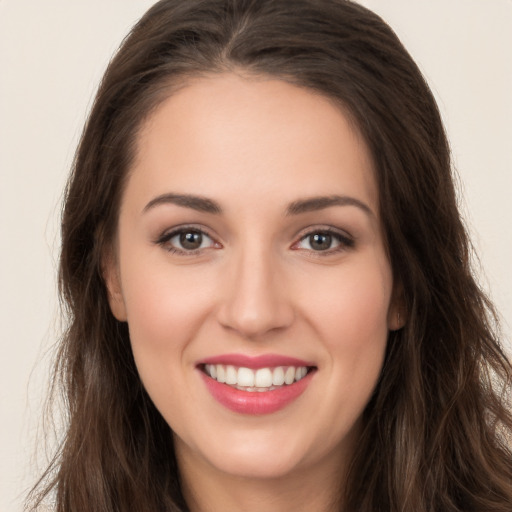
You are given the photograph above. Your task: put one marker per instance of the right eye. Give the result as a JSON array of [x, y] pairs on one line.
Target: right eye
[[186, 241]]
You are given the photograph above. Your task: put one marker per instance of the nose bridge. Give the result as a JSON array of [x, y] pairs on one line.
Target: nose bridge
[[255, 300]]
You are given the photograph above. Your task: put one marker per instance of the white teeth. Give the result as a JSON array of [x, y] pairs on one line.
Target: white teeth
[[289, 376], [278, 376], [263, 379], [245, 377], [221, 373], [231, 375]]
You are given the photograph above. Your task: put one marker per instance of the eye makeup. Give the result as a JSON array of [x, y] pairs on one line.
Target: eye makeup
[[190, 240]]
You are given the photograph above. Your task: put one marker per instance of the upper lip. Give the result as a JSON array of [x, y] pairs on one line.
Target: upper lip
[[255, 362]]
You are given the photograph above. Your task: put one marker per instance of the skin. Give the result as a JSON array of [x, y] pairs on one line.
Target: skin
[[256, 285]]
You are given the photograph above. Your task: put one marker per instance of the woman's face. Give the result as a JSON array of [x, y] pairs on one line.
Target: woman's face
[[250, 249]]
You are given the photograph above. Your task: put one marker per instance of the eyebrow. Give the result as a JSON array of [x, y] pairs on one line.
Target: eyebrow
[[201, 204], [204, 204], [319, 203]]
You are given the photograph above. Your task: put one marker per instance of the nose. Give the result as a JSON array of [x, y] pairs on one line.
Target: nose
[[254, 297]]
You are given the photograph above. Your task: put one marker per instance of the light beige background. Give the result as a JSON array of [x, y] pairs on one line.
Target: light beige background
[[52, 55]]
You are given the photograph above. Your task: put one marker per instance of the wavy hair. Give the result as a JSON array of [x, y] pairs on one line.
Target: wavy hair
[[438, 428]]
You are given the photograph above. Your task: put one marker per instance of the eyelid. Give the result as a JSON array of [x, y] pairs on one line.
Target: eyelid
[[170, 233], [346, 240]]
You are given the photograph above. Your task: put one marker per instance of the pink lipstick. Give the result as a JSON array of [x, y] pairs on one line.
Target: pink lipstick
[[255, 385]]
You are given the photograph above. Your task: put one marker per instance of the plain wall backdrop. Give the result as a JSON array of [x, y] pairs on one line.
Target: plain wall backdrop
[[52, 55]]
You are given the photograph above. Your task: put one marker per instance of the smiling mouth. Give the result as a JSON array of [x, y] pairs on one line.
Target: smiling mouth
[[256, 380]]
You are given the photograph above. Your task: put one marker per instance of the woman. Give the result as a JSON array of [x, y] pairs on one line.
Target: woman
[[271, 304]]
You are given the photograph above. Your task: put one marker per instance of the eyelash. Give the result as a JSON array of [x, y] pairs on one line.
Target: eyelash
[[165, 238], [345, 242]]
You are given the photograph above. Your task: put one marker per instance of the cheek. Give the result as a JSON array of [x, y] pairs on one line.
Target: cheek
[[165, 308], [352, 322], [352, 310]]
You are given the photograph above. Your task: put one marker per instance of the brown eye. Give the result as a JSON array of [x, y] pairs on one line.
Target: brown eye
[[191, 240], [186, 241], [325, 241], [320, 241]]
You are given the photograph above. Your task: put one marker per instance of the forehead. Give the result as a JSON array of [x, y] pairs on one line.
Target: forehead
[[231, 136]]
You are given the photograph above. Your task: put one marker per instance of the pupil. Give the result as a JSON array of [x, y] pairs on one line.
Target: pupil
[[320, 241], [191, 240]]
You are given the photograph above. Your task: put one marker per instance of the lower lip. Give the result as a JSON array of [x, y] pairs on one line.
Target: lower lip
[[255, 402]]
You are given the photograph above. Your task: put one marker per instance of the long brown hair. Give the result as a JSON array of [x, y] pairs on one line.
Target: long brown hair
[[438, 427]]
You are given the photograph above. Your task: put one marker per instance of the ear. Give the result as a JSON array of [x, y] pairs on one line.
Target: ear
[[397, 313], [110, 272]]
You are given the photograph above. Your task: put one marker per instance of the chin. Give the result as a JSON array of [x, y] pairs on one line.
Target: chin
[[259, 457], [258, 468]]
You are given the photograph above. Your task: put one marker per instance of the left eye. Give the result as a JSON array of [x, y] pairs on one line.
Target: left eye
[[186, 240], [323, 241]]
